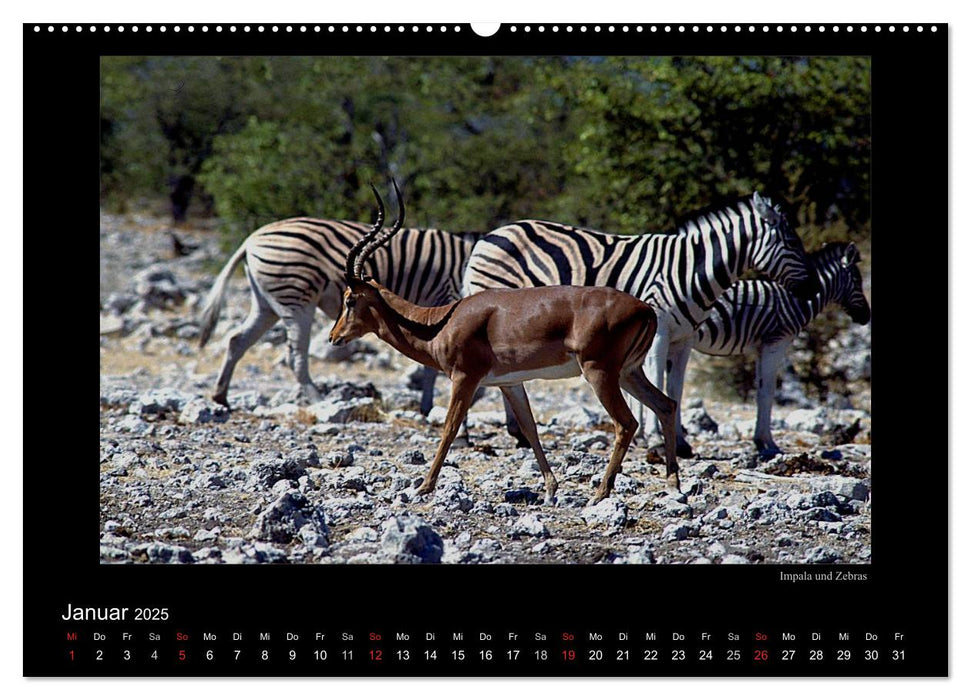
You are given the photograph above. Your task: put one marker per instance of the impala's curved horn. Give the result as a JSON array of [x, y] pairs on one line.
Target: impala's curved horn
[[355, 259], [385, 236]]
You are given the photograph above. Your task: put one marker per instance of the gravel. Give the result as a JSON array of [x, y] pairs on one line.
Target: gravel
[[278, 480], [529, 525], [290, 516], [611, 512], [407, 539]]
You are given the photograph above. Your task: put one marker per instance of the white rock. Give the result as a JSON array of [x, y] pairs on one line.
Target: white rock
[[610, 511], [111, 324], [287, 410], [478, 419], [809, 420], [579, 417], [734, 559], [848, 487], [199, 410], [675, 531], [437, 415], [345, 410], [531, 526]]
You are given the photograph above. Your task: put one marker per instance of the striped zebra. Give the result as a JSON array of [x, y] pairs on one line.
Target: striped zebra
[[762, 317], [681, 273], [296, 266]]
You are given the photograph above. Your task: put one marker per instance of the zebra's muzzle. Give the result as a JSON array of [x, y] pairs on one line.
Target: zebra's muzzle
[[860, 316]]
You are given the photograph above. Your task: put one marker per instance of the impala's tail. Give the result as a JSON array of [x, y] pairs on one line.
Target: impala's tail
[[214, 302]]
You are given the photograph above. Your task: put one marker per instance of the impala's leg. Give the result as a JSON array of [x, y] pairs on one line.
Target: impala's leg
[[463, 440], [678, 355], [299, 323], [463, 389], [257, 322], [516, 398], [428, 380], [512, 425], [664, 408], [766, 372], [607, 387]]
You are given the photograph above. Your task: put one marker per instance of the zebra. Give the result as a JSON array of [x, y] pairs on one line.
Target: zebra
[[761, 316], [681, 272], [296, 266]]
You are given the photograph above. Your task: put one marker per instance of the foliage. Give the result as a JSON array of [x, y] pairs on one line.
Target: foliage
[[623, 144], [664, 136]]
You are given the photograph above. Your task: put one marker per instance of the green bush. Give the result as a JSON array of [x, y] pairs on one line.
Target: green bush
[[621, 144], [271, 170]]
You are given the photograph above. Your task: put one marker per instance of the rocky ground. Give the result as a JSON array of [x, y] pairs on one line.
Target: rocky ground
[[183, 480]]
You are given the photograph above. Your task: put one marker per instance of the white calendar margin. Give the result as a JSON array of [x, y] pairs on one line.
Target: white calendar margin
[[12, 299]]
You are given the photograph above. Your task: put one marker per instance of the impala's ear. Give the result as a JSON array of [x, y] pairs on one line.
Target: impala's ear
[[851, 256], [764, 209]]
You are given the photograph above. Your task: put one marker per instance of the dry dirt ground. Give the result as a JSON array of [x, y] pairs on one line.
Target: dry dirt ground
[[184, 481]]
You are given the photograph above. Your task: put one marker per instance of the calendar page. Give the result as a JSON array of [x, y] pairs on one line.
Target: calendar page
[[541, 351]]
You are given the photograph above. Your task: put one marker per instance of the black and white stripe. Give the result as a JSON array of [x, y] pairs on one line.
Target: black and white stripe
[[763, 317], [681, 273], [296, 266]]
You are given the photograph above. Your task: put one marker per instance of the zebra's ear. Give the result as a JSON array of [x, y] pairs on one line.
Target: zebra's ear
[[764, 210], [851, 256]]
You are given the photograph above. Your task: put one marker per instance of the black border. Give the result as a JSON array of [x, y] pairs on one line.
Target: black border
[[906, 586]]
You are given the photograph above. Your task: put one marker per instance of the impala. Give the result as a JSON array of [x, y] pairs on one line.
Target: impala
[[505, 337]]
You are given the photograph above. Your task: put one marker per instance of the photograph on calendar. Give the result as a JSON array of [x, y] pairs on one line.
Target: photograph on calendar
[[485, 310]]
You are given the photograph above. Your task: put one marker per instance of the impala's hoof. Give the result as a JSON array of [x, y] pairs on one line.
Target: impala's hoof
[[596, 498], [424, 490], [221, 399], [674, 482], [462, 441]]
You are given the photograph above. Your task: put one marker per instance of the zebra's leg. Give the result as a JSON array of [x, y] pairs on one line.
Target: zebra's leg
[[257, 322], [766, 371], [516, 398], [299, 322], [428, 390], [665, 409], [678, 355], [655, 365]]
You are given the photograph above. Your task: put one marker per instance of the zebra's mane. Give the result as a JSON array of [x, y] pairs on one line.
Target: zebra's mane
[[470, 236], [828, 253], [736, 204]]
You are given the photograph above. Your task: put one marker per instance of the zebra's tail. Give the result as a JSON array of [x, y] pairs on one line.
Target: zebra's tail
[[214, 302]]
